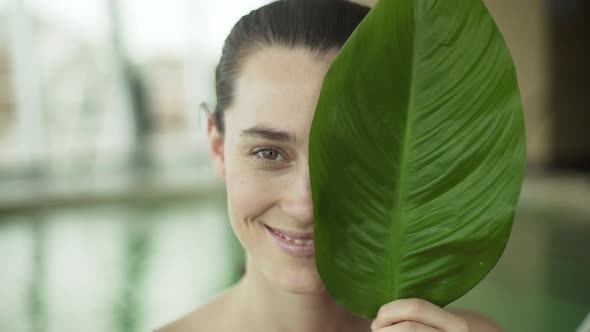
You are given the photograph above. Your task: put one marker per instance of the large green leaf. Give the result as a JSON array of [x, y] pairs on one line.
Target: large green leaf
[[416, 155]]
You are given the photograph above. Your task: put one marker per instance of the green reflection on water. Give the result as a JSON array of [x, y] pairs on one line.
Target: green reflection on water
[[540, 284], [137, 251], [137, 254], [37, 302]]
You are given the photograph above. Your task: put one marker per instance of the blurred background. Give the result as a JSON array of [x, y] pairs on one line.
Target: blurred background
[[111, 218]]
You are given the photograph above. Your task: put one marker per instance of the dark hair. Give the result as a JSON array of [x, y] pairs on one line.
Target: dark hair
[[315, 25]]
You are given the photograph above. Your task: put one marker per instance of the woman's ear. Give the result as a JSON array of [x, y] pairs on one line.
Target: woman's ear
[[216, 147]]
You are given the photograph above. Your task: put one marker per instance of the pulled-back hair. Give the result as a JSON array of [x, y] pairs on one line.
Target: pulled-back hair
[[314, 25]]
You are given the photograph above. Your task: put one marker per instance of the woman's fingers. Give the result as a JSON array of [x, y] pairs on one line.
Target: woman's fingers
[[420, 311], [407, 326]]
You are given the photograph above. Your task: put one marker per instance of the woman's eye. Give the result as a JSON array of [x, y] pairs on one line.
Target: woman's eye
[[270, 154]]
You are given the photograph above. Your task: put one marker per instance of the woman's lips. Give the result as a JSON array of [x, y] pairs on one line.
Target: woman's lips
[[295, 244]]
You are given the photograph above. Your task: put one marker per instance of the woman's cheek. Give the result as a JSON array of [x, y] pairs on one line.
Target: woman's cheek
[[250, 195]]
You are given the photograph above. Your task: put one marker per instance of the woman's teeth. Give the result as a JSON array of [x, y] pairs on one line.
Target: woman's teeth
[[296, 241]]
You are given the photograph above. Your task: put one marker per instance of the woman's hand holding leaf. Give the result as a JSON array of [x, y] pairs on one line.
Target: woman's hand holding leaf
[[417, 315]]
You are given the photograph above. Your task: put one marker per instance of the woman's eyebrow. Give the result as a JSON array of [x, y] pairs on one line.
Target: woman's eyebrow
[[269, 134]]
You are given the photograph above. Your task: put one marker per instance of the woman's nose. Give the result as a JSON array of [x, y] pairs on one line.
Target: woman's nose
[[297, 203]]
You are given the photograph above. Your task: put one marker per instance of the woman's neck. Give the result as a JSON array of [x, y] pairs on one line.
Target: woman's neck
[[268, 308]]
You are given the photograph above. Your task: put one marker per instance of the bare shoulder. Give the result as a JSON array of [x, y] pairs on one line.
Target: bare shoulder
[[477, 321], [204, 318]]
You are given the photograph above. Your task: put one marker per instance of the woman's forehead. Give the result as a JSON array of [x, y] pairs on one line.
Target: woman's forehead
[[279, 87], [283, 65]]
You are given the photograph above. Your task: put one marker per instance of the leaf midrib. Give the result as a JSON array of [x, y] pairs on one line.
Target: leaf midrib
[[402, 188]]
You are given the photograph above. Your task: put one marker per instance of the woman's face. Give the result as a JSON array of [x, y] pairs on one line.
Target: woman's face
[[263, 160]]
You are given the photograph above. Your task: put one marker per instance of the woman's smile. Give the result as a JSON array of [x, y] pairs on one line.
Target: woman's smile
[[292, 243]]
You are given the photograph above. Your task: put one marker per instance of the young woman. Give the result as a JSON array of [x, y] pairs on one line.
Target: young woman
[[268, 82]]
